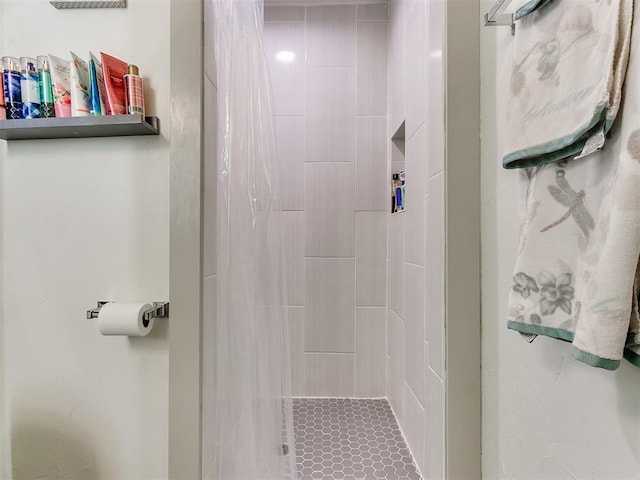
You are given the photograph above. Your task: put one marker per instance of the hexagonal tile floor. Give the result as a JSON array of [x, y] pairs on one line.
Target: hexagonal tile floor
[[344, 438]]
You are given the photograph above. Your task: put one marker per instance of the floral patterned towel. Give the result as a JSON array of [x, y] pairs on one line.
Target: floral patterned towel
[[569, 64], [529, 6], [577, 272]]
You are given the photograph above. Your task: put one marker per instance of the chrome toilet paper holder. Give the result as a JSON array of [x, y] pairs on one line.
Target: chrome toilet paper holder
[[159, 310]]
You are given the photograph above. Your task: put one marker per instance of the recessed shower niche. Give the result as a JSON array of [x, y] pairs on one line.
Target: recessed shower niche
[[398, 201]]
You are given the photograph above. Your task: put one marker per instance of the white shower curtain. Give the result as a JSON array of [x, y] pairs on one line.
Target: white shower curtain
[[253, 430]]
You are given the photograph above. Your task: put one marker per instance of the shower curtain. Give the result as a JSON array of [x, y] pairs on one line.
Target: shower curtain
[[253, 436]]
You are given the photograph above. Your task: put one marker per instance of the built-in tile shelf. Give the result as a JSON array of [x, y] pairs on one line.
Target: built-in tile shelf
[[79, 127], [397, 162], [398, 136]]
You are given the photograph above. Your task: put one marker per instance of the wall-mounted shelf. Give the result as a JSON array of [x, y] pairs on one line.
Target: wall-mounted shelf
[[78, 127]]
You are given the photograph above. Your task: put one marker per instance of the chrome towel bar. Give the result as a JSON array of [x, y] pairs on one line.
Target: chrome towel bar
[[494, 17]]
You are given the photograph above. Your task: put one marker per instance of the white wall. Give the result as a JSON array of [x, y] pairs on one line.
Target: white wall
[[330, 107], [86, 220], [416, 319], [209, 212], [545, 415]]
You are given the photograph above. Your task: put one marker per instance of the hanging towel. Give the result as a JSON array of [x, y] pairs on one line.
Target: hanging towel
[[569, 63], [577, 272], [527, 7]]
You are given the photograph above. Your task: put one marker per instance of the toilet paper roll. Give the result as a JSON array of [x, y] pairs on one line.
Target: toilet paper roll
[[124, 319]]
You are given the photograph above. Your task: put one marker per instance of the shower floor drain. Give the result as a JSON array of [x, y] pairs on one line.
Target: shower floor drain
[[338, 438]]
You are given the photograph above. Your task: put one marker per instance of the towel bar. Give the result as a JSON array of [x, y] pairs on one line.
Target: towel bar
[[493, 18]]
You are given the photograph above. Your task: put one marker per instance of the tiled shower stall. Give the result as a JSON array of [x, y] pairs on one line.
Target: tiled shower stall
[[365, 287]]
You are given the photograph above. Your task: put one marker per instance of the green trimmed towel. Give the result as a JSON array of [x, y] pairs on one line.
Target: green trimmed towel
[[528, 7], [569, 62], [577, 274]]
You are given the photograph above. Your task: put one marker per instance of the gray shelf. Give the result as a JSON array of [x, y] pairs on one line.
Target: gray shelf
[[78, 127]]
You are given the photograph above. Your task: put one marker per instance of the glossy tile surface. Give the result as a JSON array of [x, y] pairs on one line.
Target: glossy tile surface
[[340, 438], [329, 299]]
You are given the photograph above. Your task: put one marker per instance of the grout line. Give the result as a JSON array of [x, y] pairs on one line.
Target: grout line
[[355, 200], [438, 173], [414, 264], [436, 374], [404, 436]]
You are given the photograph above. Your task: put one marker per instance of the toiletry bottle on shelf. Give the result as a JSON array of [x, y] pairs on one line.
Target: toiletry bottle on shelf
[[12, 93], [402, 182], [399, 193], [47, 109], [134, 87], [394, 200], [113, 72], [80, 101], [3, 111], [30, 88], [61, 79], [96, 90]]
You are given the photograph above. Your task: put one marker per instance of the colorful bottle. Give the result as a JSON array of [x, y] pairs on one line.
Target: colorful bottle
[[402, 182], [134, 86], [47, 108], [399, 195], [96, 89], [113, 73], [3, 111], [80, 87], [30, 88], [394, 179], [60, 77], [12, 92]]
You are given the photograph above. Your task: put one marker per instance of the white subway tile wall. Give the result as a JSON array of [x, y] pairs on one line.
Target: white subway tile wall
[[329, 209], [293, 240], [329, 305], [296, 349], [329, 374], [330, 114], [365, 70], [372, 183], [371, 259], [290, 139], [329, 72], [371, 341], [416, 238]]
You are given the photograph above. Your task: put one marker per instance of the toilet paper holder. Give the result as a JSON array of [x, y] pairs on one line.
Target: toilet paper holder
[[159, 310]]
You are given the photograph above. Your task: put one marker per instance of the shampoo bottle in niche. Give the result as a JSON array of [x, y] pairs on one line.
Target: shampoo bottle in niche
[[134, 87], [394, 205], [3, 111], [402, 183], [30, 88], [47, 109], [399, 194], [12, 92]]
